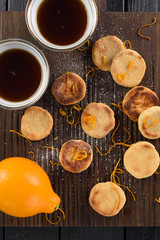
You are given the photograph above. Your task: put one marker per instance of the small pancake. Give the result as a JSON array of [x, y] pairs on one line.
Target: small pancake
[[97, 120], [108, 47], [139, 99], [107, 198], [147, 124], [36, 123], [120, 66], [141, 160], [68, 152], [69, 93]]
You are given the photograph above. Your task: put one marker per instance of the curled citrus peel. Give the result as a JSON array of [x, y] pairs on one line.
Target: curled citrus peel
[[59, 218], [76, 107], [120, 106], [83, 49], [121, 76], [115, 179], [158, 200], [90, 121], [52, 163], [114, 143], [52, 148], [118, 200], [20, 134], [79, 155], [146, 25], [33, 155], [154, 121], [70, 117], [129, 43], [91, 72], [62, 112]]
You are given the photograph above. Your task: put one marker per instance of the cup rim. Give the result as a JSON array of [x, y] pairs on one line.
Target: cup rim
[[9, 105], [71, 48]]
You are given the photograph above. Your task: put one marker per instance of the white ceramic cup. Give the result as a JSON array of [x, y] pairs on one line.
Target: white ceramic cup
[[14, 43], [31, 21]]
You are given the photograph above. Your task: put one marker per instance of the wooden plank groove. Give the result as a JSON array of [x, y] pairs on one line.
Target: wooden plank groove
[[3, 5], [92, 233], [31, 233], [143, 6], [16, 5]]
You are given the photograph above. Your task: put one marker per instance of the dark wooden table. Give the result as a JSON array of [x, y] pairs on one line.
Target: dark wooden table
[[84, 233]]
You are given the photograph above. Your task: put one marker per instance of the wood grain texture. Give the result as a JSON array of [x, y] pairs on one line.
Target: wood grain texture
[[143, 6], [31, 234], [115, 5], [92, 233], [74, 188], [150, 233], [3, 5], [17, 5], [1, 233]]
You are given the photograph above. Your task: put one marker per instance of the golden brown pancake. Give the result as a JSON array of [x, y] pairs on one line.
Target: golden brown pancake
[[106, 47], [97, 120], [107, 198], [149, 122], [128, 68], [75, 156], [141, 160], [36, 123], [139, 99], [69, 89]]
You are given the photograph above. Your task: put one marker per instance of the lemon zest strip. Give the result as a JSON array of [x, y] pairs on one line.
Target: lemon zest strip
[[122, 76], [21, 136], [146, 25], [93, 69], [83, 49]]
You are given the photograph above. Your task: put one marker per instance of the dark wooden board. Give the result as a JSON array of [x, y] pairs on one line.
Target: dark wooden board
[[31, 233], [97, 233], [74, 188], [143, 5]]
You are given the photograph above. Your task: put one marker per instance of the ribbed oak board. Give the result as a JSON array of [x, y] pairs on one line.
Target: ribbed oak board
[[74, 189]]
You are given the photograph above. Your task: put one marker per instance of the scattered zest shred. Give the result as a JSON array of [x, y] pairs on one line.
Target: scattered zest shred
[[54, 163], [70, 117], [121, 109], [115, 179], [117, 204], [79, 155], [91, 120], [114, 143], [21, 136], [158, 200], [155, 121], [104, 154], [62, 112], [76, 107], [52, 148], [121, 76], [77, 121], [83, 49], [91, 72], [33, 155], [146, 25], [57, 217], [129, 43]]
